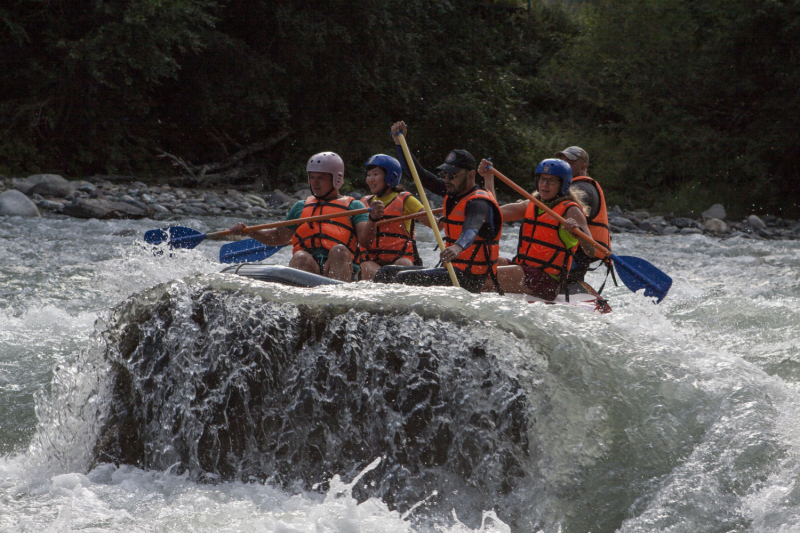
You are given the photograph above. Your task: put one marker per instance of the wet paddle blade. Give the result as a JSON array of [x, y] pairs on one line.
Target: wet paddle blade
[[247, 251], [637, 274], [176, 237]]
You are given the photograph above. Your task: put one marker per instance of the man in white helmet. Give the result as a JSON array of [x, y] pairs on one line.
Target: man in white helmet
[[326, 247]]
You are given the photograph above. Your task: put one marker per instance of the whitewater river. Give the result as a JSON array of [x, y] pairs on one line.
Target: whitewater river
[[679, 417]]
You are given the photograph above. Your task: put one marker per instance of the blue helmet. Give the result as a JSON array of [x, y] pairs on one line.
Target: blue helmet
[[390, 165], [557, 167]]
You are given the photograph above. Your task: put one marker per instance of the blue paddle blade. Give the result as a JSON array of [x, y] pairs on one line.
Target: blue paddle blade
[[637, 274], [246, 251], [178, 237]]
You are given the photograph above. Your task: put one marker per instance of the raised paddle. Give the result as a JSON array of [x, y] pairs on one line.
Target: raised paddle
[[180, 237], [425, 203], [635, 273]]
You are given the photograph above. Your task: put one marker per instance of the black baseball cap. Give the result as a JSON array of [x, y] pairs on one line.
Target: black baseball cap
[[456, 161]]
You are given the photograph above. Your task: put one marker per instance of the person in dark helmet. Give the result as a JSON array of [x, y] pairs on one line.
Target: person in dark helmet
[[597, 217], [546, 247], [328, 247], [393, 243], [471, 221]]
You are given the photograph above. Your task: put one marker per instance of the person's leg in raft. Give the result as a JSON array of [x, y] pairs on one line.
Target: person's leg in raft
[[511, 279], [304, 261], [489, 284], [370, 268], [527, 280], [339, 264]]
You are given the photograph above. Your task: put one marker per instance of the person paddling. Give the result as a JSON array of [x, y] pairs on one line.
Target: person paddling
[[472, 224], [597, 217], [327, 247], [393, 243], [545, 248]]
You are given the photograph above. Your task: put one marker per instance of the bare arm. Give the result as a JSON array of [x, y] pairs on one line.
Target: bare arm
[[488, 177], [574, 218], [365, 231], [514, 212], [270, 237]]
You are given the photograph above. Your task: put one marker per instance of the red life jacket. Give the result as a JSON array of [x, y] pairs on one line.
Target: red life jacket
[[328, 233], [598, 225], [392, 241], [540, 245], [481, 254]]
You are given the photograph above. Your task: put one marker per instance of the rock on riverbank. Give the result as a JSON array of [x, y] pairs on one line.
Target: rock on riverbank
[[753, 227], [106, 198]]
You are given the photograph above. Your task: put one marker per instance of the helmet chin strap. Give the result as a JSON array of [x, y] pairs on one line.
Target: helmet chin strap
[[324, 196]]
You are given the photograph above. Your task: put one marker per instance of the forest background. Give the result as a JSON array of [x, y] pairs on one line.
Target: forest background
[[680, 103]]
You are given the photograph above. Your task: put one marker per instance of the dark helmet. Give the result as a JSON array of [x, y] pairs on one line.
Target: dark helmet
[[559, 168], [390, 166]]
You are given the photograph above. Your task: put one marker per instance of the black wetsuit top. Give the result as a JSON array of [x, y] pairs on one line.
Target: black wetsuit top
[[477, 215]]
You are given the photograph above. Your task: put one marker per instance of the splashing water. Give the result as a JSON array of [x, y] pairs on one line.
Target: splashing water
[[678, 417]]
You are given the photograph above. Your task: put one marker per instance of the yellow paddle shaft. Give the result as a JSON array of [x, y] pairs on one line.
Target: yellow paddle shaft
[[425, 203]]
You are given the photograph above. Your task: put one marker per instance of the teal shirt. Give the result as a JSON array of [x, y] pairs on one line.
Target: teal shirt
[[297, 210]]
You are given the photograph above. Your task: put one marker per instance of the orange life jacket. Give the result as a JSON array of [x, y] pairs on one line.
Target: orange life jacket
[[392, 241], [328, 233], [481, 254], [539, 243], [598, 225]]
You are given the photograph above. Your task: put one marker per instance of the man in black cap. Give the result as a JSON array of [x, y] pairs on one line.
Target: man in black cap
[[472, 223]]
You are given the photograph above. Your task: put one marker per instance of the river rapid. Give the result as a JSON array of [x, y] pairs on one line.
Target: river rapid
[[678, 417]]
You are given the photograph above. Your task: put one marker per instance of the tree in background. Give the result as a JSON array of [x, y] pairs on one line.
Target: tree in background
[[102, 86], [695, 100], [681, 103]]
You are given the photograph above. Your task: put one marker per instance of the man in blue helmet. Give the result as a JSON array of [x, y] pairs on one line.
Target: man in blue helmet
[[392, 242], [546, 247]]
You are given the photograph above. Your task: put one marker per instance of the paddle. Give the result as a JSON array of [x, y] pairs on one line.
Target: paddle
[[419, 214], [635, 273], [250, 250], [246, 251], [180, 237], [425, 203]]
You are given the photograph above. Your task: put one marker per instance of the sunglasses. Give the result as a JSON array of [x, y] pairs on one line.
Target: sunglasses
[[550, 181], [449, 176]]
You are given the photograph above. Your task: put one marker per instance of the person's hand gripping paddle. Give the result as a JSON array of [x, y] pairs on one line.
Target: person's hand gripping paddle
[[635, 273], [427, 206]]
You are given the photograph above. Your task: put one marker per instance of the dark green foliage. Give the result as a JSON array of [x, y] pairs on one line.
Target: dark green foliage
[[696, 100], [99, 86], [680, 103]]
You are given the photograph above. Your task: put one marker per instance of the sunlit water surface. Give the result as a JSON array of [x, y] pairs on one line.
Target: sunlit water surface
[[681, 416]]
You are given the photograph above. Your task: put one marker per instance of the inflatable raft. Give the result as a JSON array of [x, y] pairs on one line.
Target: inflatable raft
[[579, 296]]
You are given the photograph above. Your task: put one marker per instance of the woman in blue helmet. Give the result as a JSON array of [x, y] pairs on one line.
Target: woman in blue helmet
[[393, 243], [545, 248]]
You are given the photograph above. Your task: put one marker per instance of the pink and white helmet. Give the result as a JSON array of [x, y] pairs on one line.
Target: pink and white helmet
[[330, 163]]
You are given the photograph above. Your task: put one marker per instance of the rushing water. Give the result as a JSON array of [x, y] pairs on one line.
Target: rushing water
[[679, 417]]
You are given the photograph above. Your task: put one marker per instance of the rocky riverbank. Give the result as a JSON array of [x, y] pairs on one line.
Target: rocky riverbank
[[103, 198]]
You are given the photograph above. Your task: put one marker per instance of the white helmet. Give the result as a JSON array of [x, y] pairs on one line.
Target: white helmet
[[330, 163]]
